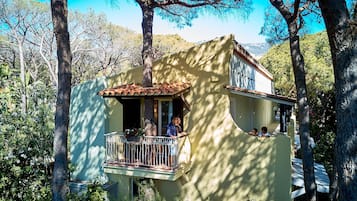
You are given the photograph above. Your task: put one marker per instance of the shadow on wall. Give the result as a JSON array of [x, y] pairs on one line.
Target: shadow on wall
[[227, 163], [87, 125], [239, 168]]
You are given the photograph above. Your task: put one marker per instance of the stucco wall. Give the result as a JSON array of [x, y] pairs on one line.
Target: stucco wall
[[87, 128], [264, 114], [227, 163], [243, 112], [263, 83], [249, 113]]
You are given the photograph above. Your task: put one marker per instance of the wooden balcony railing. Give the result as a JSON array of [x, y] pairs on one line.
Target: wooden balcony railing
[[165, 153]]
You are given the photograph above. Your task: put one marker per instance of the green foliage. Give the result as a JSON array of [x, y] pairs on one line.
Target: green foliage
[[168, 44], [94, 192], [182, 14], [323, 128], [26, 140], [318, 65], [275, 27], [101, 48], [147, 190]]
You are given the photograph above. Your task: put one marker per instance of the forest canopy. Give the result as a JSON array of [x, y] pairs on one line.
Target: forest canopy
[[319, 72]]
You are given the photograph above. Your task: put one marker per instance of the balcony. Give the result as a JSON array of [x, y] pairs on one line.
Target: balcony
[[165, 158]]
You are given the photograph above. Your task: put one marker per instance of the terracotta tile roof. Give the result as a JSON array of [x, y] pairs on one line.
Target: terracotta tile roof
[[160, 89], [258, 94]]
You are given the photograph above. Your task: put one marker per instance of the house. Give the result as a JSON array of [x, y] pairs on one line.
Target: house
[[220, 92]]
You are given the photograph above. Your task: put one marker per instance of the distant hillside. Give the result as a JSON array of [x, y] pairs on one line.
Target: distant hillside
[[256, 49], [170, 43]]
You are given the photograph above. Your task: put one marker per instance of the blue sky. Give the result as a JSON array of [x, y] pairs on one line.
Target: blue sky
[[203, 28]]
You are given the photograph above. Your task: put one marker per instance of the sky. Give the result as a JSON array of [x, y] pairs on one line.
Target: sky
[[206, 27]]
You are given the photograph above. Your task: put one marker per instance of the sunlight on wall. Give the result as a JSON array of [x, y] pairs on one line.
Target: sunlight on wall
[[227, 163], [115, 115]]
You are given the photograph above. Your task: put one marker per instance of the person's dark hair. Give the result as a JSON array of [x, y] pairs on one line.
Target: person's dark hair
[[174, 117], [264, 129], [255, 129]]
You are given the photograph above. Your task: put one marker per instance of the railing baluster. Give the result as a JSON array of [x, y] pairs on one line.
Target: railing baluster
[[142, 152], [150, 151]]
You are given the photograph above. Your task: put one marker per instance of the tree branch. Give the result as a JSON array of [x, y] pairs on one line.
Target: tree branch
[[296, 9], [354, 15], [53, 75], [283, 9], [188, 5]]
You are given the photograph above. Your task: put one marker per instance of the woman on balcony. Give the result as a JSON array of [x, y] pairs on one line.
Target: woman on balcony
[[174, 127]]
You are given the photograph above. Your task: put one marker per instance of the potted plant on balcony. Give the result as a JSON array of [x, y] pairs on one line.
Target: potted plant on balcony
[[134, 134]]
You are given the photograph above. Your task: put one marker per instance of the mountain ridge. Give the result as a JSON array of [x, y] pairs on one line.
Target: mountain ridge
[[257, 50]]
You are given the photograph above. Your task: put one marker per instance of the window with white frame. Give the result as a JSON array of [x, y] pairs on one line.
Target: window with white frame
[[164, 110]]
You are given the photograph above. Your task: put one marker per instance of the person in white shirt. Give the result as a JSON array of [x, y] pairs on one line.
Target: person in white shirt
[[264, 132]]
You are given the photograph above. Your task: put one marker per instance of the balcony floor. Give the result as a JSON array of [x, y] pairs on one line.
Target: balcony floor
[[159, 172]]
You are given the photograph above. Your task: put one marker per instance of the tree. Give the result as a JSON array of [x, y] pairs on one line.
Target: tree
[[318, 65], [181, 12], [26, 139], [98, 47], [60, 25], [341, 29], [16, 18], [29, 21], [294, 22]]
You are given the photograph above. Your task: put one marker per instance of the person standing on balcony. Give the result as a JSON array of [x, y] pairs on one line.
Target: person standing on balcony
[[174, 127], [173, 130], [150, 128]]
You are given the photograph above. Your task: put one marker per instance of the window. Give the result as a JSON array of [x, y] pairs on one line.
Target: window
[[164, 110]]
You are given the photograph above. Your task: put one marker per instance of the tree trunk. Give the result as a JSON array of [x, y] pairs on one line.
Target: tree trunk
[[59, 18], [22, 76], [147, 24], [341, 31], [297, 60], [304, 117]]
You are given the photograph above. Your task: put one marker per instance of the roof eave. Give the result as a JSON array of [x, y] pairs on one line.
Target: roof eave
[[270, 97]]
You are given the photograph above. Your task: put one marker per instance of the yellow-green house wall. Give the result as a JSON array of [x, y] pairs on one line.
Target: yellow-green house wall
[[251, 113], [227, 164]]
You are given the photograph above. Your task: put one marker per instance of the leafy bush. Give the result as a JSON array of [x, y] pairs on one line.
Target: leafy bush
[[94, 192], [146, 190], [323, 128], [26, 140]]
